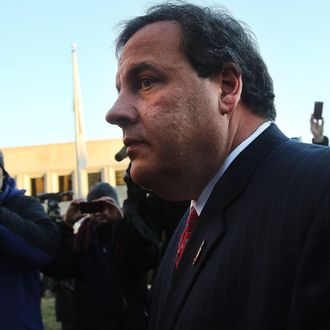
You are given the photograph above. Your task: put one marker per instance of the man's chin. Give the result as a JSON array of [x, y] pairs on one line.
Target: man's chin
[[150, 180], [142, 175]]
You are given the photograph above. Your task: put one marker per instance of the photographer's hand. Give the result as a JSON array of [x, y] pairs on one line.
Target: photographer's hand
[[73, 213], [317, 127]]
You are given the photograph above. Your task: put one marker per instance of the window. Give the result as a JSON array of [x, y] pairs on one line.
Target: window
[[65, 185], [121, 186], [120, 177], [37, 186], [93, 178]]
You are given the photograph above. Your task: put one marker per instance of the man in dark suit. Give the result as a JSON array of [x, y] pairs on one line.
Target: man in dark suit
[[196, 106]]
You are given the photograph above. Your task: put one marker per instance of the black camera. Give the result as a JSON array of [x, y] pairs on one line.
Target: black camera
[[91, 207]]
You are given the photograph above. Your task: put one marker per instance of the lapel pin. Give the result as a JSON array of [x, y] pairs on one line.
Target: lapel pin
[[198, 253]]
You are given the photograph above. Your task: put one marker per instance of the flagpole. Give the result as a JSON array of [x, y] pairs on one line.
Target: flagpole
[[80, 143]]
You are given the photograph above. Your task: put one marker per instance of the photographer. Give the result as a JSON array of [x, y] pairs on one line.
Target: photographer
[[109, 255], [28, 240]]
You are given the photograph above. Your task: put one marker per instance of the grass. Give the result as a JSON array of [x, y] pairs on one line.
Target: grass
[[48, 314]]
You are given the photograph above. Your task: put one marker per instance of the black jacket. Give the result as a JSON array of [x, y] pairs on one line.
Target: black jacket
[[325, 141], [110, 274], [259, 256]]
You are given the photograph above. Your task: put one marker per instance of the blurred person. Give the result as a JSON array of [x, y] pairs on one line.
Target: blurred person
[[64, 311], [108, 253], [317, 129], [160, 214], [62, 288], [196, 107], [28, 240], [2, 163]]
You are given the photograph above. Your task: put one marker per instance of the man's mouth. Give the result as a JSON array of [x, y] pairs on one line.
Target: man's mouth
[[128, 141], [132, 144]]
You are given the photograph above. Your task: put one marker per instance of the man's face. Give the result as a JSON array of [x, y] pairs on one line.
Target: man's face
[[168, 114], [101, 218], [107, 212]]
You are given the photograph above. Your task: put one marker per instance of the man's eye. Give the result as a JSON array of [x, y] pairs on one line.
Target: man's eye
[[145, 83]]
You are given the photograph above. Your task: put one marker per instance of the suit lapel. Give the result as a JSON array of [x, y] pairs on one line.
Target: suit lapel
[[211, 226]]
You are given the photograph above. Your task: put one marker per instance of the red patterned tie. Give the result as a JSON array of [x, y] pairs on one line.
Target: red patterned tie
[[193, 216]]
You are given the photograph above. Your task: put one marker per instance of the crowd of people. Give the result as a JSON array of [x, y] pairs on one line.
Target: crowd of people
[[101, 256], [226, 220]]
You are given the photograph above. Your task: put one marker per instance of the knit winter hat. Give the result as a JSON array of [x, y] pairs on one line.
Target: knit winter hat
[[101, 189]]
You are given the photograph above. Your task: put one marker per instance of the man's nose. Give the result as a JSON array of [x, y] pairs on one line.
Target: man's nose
[[122, 113]]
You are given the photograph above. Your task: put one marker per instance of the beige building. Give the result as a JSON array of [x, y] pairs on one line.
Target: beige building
[[51, 168]]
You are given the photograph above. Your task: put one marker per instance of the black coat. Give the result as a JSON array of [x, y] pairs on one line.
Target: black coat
[[265, 260], [110, 276]]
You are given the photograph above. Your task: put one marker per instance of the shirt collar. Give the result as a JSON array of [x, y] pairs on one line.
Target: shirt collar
[[204, 196]]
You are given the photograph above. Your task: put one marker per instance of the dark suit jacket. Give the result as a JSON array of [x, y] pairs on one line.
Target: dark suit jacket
[[265, 262]]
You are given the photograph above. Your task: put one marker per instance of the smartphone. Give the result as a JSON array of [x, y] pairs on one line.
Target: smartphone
[[91, 207], [318, 108]]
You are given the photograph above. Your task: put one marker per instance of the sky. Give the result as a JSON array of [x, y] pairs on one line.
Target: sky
[[36, 88]]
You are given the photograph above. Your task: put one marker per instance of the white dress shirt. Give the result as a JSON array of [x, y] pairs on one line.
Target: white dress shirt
[[204, 196]]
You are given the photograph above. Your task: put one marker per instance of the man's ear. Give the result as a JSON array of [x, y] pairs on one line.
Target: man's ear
[[230, 88]]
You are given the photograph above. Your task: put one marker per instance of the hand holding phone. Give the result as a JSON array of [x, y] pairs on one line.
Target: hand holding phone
[[317, 123]]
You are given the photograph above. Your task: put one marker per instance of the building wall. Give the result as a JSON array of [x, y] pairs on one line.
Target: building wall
[[53, 160]]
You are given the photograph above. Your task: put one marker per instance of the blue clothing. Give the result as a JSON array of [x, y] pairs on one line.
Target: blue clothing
[[9, 188], [28, 240]]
